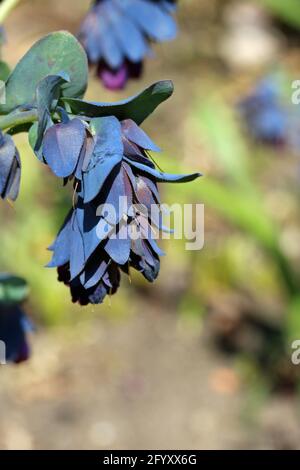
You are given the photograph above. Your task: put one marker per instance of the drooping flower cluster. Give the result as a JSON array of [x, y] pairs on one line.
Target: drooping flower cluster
[[116, 35], [111, 228]]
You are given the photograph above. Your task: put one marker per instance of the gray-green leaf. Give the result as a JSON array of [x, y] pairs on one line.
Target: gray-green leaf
[[50, 55]]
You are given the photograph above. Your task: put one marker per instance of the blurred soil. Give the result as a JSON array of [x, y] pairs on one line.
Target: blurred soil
[[145, 382]]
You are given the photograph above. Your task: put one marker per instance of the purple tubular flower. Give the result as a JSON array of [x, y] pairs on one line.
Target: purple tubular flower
[[95, 243], [113, 79], [116, 79], [116, 216], [116, 35], [14, 327]]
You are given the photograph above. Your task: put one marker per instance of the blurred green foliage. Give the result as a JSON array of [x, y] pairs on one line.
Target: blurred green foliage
[[239, 199], [235, 194], [287, 10], [13, 289]]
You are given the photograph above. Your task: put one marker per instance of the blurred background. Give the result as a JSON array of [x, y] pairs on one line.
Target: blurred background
[[202, 358]]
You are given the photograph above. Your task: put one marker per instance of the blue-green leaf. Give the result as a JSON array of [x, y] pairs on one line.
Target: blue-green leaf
[[137, 108]]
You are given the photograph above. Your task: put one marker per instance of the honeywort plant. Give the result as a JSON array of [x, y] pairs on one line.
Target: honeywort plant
[[116, 35], [101, 149]]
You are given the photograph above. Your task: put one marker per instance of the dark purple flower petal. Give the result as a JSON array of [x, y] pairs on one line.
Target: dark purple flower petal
[[10, 168], [161, 177], [136, 135], [62, 244], [118, 248], [107, 154], [62, 146]]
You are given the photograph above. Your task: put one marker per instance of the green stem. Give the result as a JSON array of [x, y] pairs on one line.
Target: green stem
[[290, 279], [6, 7], [16, 119]]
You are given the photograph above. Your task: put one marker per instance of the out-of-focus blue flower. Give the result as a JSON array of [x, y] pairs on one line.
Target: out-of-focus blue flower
[[95, 243], [265, 115], [14, 328], [14, 324], [116, 36]]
